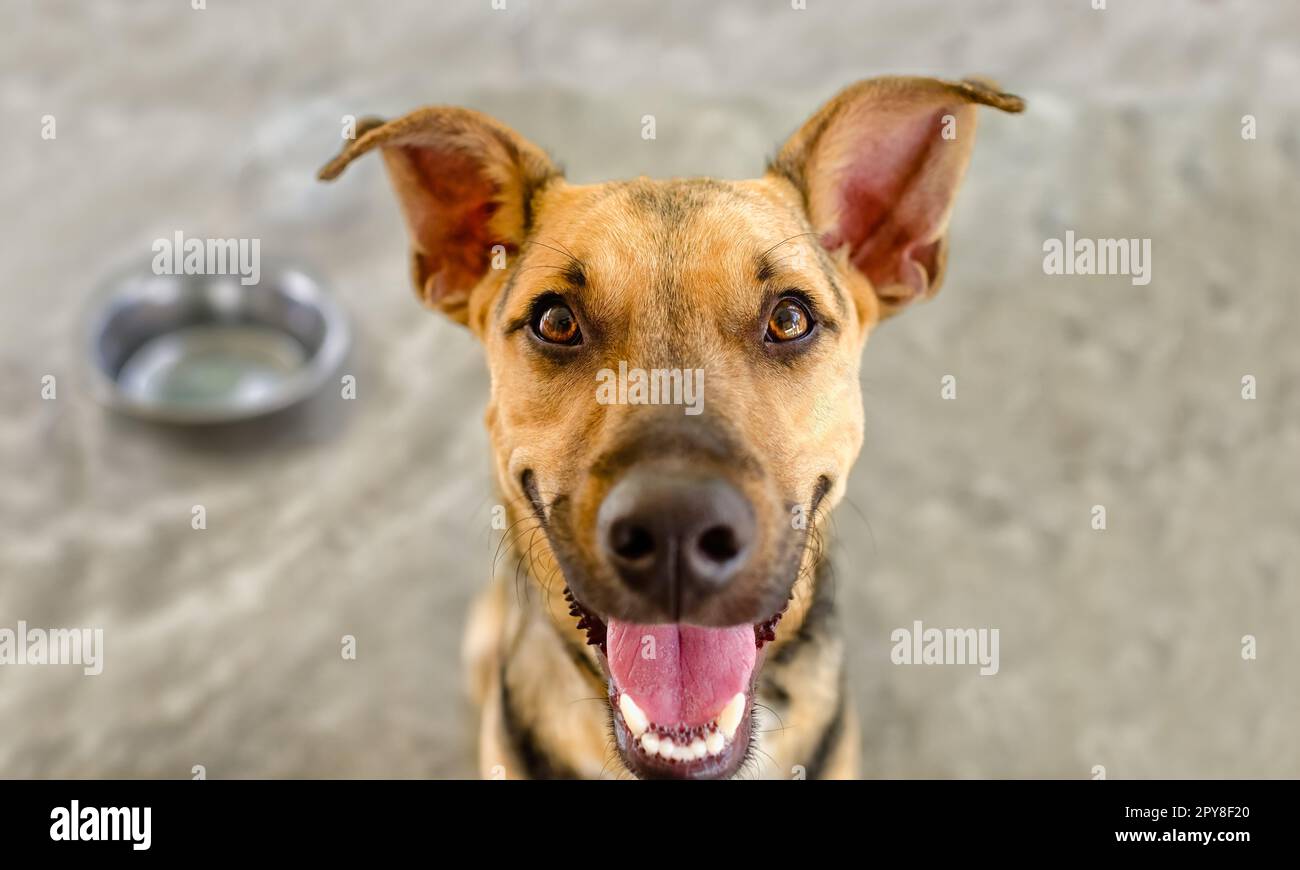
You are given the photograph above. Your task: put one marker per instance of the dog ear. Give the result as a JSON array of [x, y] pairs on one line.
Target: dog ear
[[465, 183], [878, 167]]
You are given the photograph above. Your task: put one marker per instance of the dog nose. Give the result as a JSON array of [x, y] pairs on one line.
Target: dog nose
[[675, 538]]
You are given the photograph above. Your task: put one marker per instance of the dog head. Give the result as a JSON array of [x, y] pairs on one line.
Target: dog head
[[674, 370]]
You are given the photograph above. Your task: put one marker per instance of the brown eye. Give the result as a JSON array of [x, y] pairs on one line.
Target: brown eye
[[789, 320], [557, 325]]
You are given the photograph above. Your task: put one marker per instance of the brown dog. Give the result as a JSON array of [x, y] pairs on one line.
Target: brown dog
[[668, 534]]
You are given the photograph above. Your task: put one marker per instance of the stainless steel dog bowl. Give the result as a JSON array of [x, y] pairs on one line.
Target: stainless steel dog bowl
[[208, 349]]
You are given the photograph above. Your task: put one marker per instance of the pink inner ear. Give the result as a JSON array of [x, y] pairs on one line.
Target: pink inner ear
[[450, 211], [888, 204]]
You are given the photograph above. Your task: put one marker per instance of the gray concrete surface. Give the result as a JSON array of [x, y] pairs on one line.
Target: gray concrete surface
[[1118, 648]]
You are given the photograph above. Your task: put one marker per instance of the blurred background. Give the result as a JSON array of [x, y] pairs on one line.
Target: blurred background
[[371, 518]]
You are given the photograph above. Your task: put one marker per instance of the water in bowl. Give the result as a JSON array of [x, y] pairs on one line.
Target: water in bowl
[[211, 367]]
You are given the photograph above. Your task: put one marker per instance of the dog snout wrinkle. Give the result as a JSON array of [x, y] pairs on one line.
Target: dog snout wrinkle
[[676, 538]]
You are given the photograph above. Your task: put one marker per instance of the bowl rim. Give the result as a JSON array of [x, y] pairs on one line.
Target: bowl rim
[[302, 383]]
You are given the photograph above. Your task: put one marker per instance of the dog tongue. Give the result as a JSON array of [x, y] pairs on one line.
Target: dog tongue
[[680, 674]]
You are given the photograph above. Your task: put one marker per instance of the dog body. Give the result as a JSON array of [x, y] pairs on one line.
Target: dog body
[[676, 619]]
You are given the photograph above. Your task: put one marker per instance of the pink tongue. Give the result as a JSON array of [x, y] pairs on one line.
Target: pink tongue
[[680, 674]]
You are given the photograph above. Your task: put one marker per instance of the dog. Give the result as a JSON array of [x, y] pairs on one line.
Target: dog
[[676, 620]]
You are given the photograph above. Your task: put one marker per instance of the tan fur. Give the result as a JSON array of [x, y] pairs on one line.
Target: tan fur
[[671, 275]]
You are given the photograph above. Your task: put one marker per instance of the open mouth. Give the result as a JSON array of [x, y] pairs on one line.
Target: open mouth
[[682, 695]]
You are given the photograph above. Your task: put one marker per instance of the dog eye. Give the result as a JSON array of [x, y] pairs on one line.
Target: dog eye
[[556, 324], [789, 320]]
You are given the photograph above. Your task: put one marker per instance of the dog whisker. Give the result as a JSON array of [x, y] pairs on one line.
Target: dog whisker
[[562, 253], [522, 563], [503, 547], [786, 240], [570, 253]]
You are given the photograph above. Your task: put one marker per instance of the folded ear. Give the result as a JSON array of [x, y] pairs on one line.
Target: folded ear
[[878, 167], [465, 183]]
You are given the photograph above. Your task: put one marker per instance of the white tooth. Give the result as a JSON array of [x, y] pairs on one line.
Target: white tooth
[[636, 721], [698, 749], [731, 714], [650, 743], [714, 743], [666, 748], [683, 753]]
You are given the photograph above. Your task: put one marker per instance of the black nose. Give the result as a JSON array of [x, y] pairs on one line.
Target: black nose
[[675, 538]]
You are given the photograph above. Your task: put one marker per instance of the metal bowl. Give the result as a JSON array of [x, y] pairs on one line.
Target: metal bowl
[[208, 349]]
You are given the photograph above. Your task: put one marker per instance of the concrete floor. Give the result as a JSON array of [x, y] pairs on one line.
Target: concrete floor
[[372, 518]]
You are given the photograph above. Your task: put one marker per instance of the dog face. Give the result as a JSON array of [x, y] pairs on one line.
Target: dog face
[[675, 372]]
